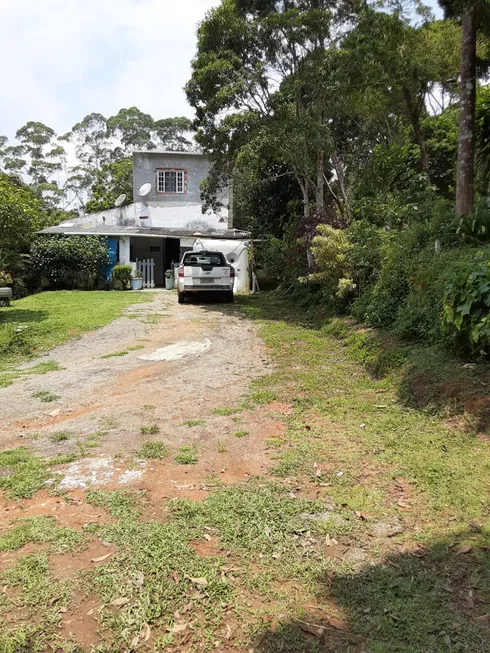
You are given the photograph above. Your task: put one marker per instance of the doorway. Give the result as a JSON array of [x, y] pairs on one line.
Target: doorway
[[171, 252]]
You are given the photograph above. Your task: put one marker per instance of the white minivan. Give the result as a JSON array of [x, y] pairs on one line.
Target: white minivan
[[205, 271]]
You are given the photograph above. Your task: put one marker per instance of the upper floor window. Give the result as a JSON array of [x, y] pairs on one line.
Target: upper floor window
[[170, 181]]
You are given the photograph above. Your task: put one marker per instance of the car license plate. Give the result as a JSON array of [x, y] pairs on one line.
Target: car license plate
[[207, 280]]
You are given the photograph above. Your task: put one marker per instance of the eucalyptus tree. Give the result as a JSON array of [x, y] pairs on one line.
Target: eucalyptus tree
[[44, 160]]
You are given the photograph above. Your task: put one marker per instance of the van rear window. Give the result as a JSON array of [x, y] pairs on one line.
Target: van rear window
[[204, 258]]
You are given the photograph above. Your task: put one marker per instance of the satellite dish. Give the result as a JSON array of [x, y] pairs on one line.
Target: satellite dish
[[144, 190], [120, 200]]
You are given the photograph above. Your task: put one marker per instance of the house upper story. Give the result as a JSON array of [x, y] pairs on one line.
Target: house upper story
[[173, 204], [175, 177]]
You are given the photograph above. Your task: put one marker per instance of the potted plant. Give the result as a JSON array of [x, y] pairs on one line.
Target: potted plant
[[169, 279], [136, 280], [5, 290]]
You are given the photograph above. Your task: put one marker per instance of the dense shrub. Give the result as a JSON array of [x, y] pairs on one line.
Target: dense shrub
[[365, 253], [379, 304], [70, 261], [21, 214], [420, 316], [476, 229], [467, 301], [121, 275]]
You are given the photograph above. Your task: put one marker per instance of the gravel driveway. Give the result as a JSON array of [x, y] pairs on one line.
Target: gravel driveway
[[178, 364]]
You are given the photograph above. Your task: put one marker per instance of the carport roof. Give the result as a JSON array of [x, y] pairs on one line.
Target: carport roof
[[161, 232]]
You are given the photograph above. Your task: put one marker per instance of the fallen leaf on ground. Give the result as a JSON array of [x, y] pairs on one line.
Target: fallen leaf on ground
[[120, 601], [147, 632], [403, 504], [197, 581], [178, 628], [483, 618], [101, 558], [207, 537], [175, 577], [140, 579], [135, 641], [465, 548]]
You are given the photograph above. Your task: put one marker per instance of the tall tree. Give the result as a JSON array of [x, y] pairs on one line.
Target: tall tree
[[137, 130], [21, 214], [111, 180], [483, 139], [45, 159], [251, 73], [98, 141], [397, 69], [475, 15]]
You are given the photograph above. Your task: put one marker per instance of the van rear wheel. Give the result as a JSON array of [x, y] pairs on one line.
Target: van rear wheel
[[180, 297]]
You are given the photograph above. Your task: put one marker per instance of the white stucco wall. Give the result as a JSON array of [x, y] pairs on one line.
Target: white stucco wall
[[171, 216]]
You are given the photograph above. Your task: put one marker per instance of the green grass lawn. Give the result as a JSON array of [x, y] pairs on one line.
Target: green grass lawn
[[39, 322], [369, 533]]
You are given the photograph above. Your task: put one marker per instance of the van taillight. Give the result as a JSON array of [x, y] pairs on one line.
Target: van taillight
[[181, 270], [232, 272]]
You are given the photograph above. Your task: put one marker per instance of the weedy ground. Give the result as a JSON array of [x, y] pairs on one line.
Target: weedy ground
[[39, 322], [368, 533]]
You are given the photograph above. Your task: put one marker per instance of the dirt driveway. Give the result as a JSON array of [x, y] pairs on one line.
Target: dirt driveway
[[158, 373]]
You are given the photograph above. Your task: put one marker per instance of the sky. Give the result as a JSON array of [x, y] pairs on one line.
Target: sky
[[64, 59]]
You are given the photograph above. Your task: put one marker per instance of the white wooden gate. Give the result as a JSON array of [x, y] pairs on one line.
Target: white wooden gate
[[147, 269]]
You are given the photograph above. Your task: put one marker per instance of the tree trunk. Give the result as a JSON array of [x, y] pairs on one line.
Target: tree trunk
[[303, 184], [414, 114], [466, 137], [320, 201], [339, 169]]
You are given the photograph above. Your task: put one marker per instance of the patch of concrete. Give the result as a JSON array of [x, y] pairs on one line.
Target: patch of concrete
[[130, 475], [99, 471], [178, 351], [95, 472]]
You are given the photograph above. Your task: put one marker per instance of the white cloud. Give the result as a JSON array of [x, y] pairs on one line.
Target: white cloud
[[63, 59]]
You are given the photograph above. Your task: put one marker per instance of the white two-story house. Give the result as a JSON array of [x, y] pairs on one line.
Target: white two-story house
[[165, 218]]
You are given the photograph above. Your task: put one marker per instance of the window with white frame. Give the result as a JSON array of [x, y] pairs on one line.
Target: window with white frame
[[170, 181]]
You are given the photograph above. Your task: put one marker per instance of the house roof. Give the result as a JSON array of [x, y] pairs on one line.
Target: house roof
[[156, 232], [172, 152]]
